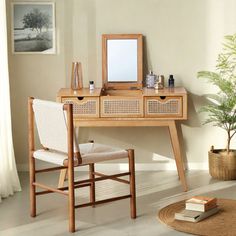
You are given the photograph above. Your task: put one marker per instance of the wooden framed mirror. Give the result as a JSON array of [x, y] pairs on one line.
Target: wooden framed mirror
[[122, 61]]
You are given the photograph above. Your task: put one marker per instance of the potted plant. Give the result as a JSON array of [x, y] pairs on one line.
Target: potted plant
[[222, 109]]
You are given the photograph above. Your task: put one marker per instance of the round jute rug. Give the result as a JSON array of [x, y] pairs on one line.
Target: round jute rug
[[222, 223]]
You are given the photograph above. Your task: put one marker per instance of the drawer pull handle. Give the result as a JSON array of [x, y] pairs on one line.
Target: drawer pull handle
[[80, 98], [162, 97]]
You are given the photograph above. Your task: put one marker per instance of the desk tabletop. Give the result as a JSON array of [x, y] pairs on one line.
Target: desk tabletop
[[67, 92], [164, 92]]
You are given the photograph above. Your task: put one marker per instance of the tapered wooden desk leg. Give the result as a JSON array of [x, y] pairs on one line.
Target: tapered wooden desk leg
[[177, 154], [62, 178], [132, 184], [92, 186]]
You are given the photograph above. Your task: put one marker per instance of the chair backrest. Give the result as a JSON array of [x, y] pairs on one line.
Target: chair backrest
[[51, 123]]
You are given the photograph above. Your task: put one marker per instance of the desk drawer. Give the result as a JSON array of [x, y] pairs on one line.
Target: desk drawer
[[163, 106], [84, 106], [115, 106]]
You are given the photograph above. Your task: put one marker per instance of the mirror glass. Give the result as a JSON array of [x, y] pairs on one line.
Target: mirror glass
[[122, 61], [122, 65]]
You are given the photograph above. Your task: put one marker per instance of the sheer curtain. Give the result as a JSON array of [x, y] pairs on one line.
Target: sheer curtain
[[9, 181]]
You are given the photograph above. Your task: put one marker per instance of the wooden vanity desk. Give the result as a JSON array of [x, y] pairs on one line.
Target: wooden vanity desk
[[123, 102], [131, 108]]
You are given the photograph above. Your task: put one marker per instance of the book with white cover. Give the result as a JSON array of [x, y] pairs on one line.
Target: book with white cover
[[200, 203], [194, 216]]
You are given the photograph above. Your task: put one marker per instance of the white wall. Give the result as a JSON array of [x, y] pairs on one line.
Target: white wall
[[181, 38]]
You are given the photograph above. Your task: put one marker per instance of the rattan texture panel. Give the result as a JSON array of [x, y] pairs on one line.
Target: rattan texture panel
[[171, 106], [121, 107], [88, 107]]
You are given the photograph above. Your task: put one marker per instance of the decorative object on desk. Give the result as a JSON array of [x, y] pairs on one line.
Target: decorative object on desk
[[151, 80], [171, 82], [201, 203], [222, 223], [222, 109], [160, 83], [76, 76], [91, 85], [33, 28], [161, 79]]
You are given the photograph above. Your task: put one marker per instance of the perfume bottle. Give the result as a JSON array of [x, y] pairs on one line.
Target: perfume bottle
[[171, 81], [91, 85], [151, 79]]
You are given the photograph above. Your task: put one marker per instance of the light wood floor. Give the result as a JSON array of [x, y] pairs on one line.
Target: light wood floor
[[154, 190]]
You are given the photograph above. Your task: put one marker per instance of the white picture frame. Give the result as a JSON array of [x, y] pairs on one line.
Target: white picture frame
[[33, 28]]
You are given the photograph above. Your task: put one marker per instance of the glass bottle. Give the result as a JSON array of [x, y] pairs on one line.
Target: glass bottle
[[91, 85], [171, 82]]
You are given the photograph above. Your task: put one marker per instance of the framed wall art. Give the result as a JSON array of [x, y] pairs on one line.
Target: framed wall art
[[33, 28]]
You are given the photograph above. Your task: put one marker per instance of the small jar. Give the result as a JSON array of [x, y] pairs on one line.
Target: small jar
[[160, 83], [151, 79], [91, 85]]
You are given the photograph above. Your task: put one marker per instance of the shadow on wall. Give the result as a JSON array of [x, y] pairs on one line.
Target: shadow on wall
[[195, 102], [146, 58], [145, 140]]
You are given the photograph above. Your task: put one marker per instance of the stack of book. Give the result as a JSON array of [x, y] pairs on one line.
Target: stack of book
[[198, 208]]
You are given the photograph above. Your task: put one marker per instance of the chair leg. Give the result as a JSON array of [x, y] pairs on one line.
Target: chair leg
[[62, 178], [32, 187], [71, 200], [132, 184], [92, 186]]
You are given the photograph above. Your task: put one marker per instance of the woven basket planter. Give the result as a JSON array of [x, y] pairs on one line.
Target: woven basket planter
[[222, 165]]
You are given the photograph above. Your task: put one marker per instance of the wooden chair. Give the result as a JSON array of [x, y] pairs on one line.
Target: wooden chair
[[54, 123]]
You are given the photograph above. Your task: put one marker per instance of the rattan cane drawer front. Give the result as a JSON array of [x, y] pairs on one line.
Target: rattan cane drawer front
[[116, 106], [163, 106], [84, 106]]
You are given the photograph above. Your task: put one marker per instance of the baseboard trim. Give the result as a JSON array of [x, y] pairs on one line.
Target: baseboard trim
[[124, 166]]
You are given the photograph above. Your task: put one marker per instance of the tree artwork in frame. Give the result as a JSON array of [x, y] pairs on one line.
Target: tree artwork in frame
[[33, 28]]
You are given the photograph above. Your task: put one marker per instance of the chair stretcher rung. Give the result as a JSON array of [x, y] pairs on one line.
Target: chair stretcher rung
[[50, 169], [114, 178], [103, 201], [63, 188], [50, 188], [102, 178]]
